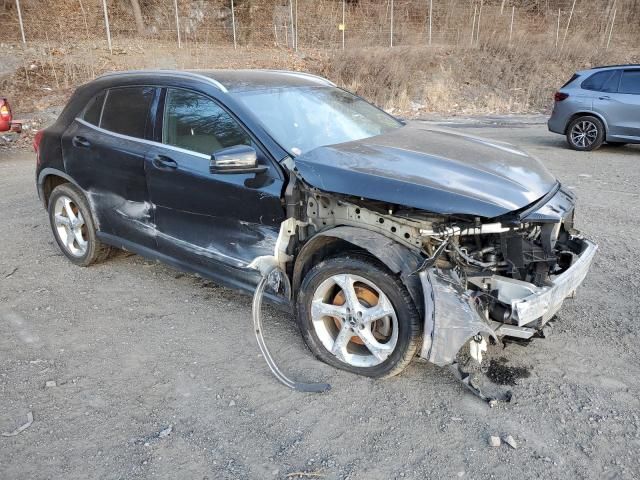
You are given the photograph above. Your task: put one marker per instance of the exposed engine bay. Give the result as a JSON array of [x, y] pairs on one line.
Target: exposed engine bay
[[503, 277]]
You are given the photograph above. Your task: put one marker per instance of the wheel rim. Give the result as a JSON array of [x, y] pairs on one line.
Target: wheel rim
[[350, 326], [584, 133], [70, 226]]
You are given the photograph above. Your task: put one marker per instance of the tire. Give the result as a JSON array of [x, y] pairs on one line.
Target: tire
[[68, 229], [585, 133], [616, 144], [396, 336]]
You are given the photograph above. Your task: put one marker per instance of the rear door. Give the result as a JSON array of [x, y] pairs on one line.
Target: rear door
[[217, 221], [602, 87], [625, 108], [104, 151]]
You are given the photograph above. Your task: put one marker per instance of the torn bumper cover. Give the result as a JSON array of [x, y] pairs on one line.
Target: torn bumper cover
[[454, 315]]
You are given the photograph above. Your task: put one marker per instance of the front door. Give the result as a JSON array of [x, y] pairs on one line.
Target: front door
[[104, 151], [219, 222]]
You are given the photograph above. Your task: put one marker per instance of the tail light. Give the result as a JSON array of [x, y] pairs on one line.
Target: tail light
[[36, 144], [560, 96]]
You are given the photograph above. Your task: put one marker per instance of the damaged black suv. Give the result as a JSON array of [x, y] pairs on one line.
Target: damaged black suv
[[398, 240]]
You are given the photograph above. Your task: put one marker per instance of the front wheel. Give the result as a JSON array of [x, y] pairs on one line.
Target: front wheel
[[585, 133], [357, 316]]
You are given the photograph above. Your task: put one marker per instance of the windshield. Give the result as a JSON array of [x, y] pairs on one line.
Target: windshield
[[301, 119]]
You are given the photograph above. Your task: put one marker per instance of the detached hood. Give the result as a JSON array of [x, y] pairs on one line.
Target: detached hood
[[432, 169]]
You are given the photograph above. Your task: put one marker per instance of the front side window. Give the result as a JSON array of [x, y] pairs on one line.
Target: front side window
[[126, 110], [94, 109], [630, 82], [197, 123]]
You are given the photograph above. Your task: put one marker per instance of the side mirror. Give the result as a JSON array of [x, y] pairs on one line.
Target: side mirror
[[236, 159]]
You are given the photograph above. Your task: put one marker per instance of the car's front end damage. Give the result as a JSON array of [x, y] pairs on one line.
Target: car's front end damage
[[475, 277]]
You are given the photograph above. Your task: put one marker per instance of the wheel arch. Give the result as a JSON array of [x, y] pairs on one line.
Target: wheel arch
[[50, 178], [587, 113], [399, 259]]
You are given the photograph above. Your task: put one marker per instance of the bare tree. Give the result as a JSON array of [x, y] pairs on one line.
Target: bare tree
[[137, 14]]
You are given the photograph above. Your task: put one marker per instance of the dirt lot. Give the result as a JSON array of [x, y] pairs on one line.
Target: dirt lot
[[135, 348]]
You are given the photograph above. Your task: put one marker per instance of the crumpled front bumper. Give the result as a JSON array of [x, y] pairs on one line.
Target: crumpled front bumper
[[530, 303], [452, 315]]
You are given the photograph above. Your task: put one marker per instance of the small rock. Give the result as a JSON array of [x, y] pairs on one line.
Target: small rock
[[456, 419], [584, 175], [510, 441], [494, 441], [232, 403], [461, 474], [166, 432], [50, 383]]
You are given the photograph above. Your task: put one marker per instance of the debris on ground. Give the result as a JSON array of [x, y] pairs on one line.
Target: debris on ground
[[166, 432], [232, 403], [510, 441], [50, 383], [494, 441], [11, 272], [21, 428], [305, 474]]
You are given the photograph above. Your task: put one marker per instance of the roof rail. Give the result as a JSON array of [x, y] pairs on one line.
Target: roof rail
[[614, 66], [302, 74], [184, 73]]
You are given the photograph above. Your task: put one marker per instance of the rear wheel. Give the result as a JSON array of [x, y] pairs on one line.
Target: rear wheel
[[585, 133], [73, 226], [357, 316]]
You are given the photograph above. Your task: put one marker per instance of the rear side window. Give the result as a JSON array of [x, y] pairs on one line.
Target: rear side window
[[195, 122], [94, 109], [611, 86], [126, 110], [630, 82], [597, 81]]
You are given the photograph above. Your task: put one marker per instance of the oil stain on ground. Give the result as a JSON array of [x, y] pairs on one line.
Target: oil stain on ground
[[503, 374]]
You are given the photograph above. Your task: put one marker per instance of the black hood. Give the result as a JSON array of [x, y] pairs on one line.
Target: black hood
[[432, 169]]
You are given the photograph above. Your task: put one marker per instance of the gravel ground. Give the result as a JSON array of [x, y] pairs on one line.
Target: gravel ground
[[157, 373]]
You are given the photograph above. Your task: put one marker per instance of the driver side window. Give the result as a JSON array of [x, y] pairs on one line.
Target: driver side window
[[195, 122]]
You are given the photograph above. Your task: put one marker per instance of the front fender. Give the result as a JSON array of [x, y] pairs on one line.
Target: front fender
[[398, 258]]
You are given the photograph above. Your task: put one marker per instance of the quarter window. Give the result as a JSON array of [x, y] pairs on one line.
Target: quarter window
[[195, 122], [126, 110], [597, 81], [94, 109], [630, 82]]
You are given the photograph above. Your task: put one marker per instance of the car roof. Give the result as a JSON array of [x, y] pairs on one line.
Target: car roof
[[236, 80], [608, 67]]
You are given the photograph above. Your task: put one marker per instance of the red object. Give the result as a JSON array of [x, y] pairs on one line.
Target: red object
[[559, 96], [37, 138], [5, 115]]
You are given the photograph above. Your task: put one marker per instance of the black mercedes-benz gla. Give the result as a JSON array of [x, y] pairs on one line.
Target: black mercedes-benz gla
[[398, 239]]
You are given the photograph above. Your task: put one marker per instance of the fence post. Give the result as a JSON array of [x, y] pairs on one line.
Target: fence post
[[344, 26], [613, 20], [478, 26], [175, 4], [513, 14], [473, 25], [293, 37], [20, 20], [233, 26], [106, 24], [558, 28], [430, 16], [566, 31], [391, 32]]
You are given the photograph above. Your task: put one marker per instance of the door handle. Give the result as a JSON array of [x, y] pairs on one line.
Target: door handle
[[604, 97], [80, 142], [165, 163]]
